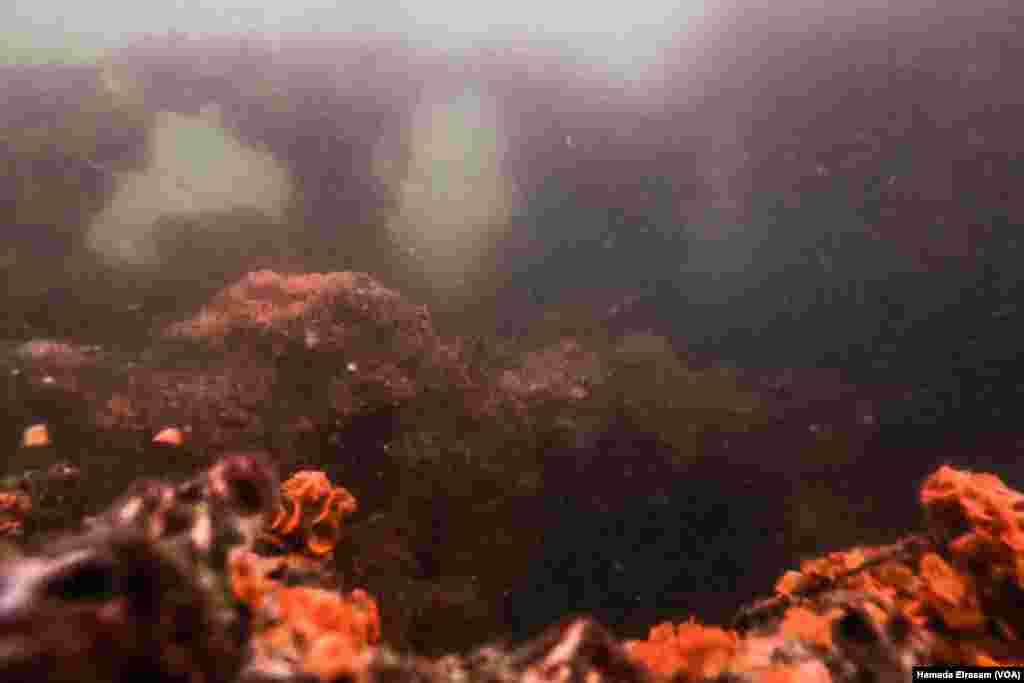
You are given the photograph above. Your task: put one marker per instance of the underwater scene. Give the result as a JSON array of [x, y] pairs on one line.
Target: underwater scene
[[531, 343]]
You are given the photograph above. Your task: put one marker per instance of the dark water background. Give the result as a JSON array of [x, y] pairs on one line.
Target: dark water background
[[829, 201]]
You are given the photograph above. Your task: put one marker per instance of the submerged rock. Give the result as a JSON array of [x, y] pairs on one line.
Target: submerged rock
[[138, 595], [947, 597], [170, 584]]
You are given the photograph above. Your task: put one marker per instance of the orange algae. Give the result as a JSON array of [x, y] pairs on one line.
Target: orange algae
[[325, 633], [328, 633], [962, 581], [248, 575], [957, 587], [310, 512], [975, 589], [809, 626], [977, 513], [778, 673], [354, 615], [700, 651], [822, 570]]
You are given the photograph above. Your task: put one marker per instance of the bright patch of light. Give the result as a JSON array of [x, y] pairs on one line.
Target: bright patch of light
[[453, 198], [196, 166], [623, 33]]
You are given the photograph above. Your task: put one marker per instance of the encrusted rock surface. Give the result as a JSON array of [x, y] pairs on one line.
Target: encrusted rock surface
[[168, 584], [465, 459], [950, 596]]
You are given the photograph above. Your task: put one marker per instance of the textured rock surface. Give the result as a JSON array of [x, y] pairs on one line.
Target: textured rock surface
[[494, 481], [166, 585], [944, 597]]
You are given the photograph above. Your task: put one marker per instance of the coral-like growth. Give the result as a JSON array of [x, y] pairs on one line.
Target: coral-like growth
[[972, 583], [154, 589], [310, 512], [839, 636], [305, 307], [166, 585], [217, 405], [377, 337], [301, 629], [975, 512], [559, 372], [947, 597], [700, 651], [305, 629], [327, 633]]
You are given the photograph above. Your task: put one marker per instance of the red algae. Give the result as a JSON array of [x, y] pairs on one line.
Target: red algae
[[218, 407], [559, 372], [270, 302]]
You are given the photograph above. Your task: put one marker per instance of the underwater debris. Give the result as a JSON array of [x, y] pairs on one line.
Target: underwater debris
[[310, 512]]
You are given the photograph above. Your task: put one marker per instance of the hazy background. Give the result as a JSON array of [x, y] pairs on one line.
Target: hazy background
[[813, 184], [620, 35], [807, 185]]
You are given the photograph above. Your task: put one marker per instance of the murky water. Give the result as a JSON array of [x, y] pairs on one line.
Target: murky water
[[750, 290]]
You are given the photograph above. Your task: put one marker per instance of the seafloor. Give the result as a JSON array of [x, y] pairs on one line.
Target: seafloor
[[305, 481]]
